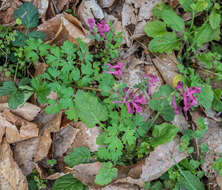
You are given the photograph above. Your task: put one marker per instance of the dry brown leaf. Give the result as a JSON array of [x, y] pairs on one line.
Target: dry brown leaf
[[40, 68], [106, 3], [11, 177], [55, 176], [53, 125], [89, 9], [41, 6], [86, 137], [131, 181], [219, 181], [64, 139], [60, 4], [24, 152], [44, 145], [27, 111], [24, 131], [63, 27], [86, 172]]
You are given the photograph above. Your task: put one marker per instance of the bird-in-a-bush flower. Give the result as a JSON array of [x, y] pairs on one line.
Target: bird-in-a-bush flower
[[116, 70], [152, 82], [189, 99], [103, 28], [91, 22], [132, 101]]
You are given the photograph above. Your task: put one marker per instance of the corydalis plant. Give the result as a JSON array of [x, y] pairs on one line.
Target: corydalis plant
[[102, 27], [189, 100], [116, 70]]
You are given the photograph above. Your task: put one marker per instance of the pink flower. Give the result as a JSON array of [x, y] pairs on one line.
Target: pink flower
[[132, 101], [152, 80], [91, 22], [117, 69], [189, 99], [103, 28]]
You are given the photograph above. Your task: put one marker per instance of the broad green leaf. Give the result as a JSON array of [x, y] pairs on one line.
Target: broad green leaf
[[36, 35], [29, 15], [7, 88], [202, 5], [155, 29], [206, 96], [169, 16], [191, 182], [106, 174], [206, 59], [214, 19], [206, 34], [165, 44], [186, 5], [20, 39], [16, 99], [78, 155], [217, 102], [68, 182], [163, 133], [89, 109]]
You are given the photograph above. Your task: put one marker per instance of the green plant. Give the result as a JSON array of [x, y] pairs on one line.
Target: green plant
[[217, 166], [35, 182]]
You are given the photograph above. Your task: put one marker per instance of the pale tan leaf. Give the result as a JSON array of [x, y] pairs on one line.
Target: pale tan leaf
[[11, 177]]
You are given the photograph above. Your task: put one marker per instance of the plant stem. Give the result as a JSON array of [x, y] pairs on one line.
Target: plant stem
[[154, 119]]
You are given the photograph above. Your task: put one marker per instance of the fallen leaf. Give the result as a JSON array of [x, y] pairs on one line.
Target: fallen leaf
[[60, 4], [86, 137], [41, 6], [44, 145], [86, 172], [61, 28], [11, 177], [131, 181], [89, 9], [24, 152], [16, 128], [162, 159], [53, 125], [27, 111], [64, 139], [106, 3], [219, 181]]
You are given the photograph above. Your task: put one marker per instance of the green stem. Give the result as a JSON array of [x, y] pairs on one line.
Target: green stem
[[154, 119], [16, 70]]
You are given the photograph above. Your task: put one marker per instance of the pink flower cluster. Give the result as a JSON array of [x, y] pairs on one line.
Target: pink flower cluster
[[189, 99], [102, 27], [116, 70], [152, 81], [132, 101]]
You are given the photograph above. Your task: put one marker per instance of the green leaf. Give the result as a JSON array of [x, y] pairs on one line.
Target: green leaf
[[106, 174], [206, 59], [78, 155], [217, 103], [160, 102], [155, 29], [214, 19], [37, 35], [206, 96], [29, 15], [163, 133], [206, 34], [186, 5], [191, 182], [169, 16], [16, 99], [7, 88], [68, 182], [89, 109], [166, 43], [20, 39]]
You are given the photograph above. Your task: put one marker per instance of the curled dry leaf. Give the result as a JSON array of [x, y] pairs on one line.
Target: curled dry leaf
[[44, 145], [16, 128], [54, 125], [162, 159], [89, 9], [63, 27], [167, 66], [27, 111], [24, 152], [86, 172], [131, 181], [64, 139], [60, 4], [86, 137], [11, 177], [41, 6]]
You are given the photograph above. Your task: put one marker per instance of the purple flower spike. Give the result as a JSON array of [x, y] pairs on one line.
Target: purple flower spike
[[176, 108], [117, 69], [103, 28], [91, 22], [152, 81]]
